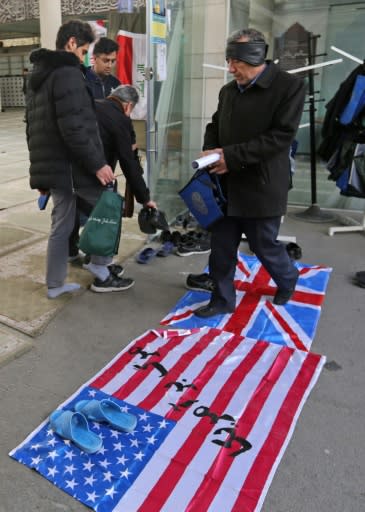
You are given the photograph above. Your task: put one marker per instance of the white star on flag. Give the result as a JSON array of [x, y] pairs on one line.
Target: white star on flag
[[92, 496], [52, 471], [88, 465], [70, 455], [89, 480], [70, 469], [71, 484], [107, 476], [122, 460]]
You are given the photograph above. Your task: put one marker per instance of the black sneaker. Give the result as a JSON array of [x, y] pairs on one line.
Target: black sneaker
[[116, 270], [200, 282], [112, 284], [193, 247]]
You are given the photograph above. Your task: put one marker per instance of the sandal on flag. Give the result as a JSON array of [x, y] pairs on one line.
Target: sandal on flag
[[107, 411], [74, 426]]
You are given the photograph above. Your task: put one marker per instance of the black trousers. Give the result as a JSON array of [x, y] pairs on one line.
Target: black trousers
[[261, 234]]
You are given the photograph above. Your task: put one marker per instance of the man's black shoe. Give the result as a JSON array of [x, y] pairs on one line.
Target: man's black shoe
[[360, 281], [282, 297], [208, 311], [200, 282], [360, 275]]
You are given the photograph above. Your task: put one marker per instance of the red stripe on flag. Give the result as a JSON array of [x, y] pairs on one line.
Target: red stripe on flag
[[205, 375], [124, 64], [214, 477], [286, 327], [134, 381], [173, 472], [122, 361], [265, 459], [249, 302], [176, 318], [160, 390], [310, 298]]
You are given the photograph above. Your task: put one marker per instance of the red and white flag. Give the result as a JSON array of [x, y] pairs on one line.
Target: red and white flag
[[215, 413], [235, 402], [130, 67]]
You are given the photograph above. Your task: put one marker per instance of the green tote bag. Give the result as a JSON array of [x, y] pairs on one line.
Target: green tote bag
[[101, 234]]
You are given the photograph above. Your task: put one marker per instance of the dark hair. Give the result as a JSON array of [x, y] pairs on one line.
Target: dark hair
[[250, 33], [105, 45], [80, 30]]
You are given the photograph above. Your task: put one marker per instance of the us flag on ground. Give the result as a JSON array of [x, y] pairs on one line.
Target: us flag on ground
[[255, 315], [223, 409]]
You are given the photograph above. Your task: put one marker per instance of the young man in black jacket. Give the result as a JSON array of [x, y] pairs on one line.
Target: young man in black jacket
[[256, 120], [99, 76], [66, 154]]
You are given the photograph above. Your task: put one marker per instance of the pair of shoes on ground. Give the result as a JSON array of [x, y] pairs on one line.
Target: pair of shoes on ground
[[74, 426], [194, 242], [359, 279], [114, 282], [147, 254], [200, 282]]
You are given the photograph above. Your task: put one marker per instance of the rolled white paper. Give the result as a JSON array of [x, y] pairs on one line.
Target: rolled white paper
[[204, 161]]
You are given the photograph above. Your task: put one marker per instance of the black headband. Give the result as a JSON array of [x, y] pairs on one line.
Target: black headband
[[251, 52]]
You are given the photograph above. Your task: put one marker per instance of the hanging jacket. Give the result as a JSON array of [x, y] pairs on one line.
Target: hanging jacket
[[333, 133]]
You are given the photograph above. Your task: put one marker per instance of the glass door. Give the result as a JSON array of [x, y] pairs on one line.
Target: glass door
[[164, 74]]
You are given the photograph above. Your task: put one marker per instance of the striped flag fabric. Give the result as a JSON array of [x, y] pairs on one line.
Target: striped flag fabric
[[215, 413], [130, 67], [255, 315]]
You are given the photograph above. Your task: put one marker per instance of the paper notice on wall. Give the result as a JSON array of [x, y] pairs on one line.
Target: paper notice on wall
[[161, 53], [158, 25]]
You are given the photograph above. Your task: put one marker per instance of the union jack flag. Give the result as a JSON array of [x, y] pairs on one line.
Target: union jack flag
[[255, 315], [215, 412]]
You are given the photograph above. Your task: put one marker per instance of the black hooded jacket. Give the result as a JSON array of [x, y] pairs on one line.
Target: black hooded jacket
[[63, 139]]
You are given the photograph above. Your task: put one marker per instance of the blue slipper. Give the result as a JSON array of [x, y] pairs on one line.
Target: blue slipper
[[146, 255], [107, 411], [165, 249], [73, 426]]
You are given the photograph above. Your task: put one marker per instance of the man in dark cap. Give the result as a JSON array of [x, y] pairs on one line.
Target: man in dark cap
[[256, 120]]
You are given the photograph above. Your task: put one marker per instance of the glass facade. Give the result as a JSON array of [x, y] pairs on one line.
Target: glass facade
[[299, 32]]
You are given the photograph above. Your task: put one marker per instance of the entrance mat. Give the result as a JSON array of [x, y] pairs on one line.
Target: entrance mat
[[13, 238], [255, 315], [23, 302], [215, 413]]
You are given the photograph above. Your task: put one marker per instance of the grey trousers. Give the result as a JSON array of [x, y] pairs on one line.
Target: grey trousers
[[62, 224]]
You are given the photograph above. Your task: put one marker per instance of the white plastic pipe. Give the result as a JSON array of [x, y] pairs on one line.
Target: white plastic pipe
[[204, 161]]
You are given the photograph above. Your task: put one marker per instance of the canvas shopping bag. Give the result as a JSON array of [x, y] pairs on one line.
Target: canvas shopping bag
[[101, 234], [204, 198]]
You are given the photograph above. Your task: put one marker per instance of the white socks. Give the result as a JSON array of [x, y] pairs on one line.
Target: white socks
[[52, 293], [100, 271]]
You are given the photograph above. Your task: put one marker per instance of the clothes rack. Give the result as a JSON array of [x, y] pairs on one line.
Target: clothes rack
[[352, 226]]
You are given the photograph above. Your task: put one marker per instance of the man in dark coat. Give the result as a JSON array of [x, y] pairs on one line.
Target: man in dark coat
[[99, 76], [66, 154], [256, 120], [118, 138]]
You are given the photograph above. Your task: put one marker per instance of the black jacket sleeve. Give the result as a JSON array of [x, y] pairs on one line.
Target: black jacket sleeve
[[76, 119]]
